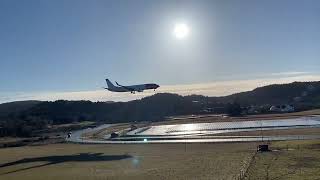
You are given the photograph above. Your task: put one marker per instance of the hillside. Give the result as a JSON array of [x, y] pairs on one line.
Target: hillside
[[16, 107], [294, 93], [27, 116]]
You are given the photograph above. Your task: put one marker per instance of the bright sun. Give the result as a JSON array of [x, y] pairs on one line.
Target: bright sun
[[181, 31]]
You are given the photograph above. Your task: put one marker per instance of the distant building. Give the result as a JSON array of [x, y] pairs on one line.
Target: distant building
[[297, 99], [282, 108], [253, 110], [258, 109], [207, 110], [275, 108]]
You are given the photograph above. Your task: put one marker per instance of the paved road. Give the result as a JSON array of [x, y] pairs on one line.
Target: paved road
[[76, 136]]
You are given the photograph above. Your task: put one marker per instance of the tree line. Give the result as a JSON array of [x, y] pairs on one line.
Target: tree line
[[21, 119]]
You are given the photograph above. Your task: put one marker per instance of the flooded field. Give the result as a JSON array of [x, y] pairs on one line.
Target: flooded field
[[223, 127], [204, 132]]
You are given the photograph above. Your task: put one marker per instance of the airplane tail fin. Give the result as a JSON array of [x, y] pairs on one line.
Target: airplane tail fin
[[109, 83]]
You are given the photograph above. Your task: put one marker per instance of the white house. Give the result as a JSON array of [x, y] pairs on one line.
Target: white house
[[282, 108]]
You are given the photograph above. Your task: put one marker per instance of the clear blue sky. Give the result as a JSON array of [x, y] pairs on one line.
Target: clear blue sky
[[71, 45]]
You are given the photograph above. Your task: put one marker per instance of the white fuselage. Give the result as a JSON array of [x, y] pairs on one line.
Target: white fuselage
[[132, 89]]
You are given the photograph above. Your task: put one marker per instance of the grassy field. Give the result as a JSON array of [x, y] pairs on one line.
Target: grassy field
[[10, 139], [294, 160], [148, 161], [290, 160]]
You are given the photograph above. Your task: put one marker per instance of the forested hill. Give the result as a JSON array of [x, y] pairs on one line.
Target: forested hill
[[293, 93], [299, 93], [16, 107], [36, 115]]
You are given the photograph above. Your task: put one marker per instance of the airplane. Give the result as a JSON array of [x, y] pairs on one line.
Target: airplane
[[132, 89]]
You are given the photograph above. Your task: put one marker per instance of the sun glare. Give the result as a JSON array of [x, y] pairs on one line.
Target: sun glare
[[181, 31]]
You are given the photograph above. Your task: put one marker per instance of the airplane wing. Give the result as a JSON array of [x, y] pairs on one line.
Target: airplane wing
[[127, 88]]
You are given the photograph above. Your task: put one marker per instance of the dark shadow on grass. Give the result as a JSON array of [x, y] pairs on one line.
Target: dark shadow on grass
[[83, 157]]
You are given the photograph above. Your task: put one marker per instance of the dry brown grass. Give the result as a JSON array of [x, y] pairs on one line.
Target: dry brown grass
[[10, 139], [296, 160], [148, 161]]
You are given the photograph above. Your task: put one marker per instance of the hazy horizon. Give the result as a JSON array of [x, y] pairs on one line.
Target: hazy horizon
[[221, 88]]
